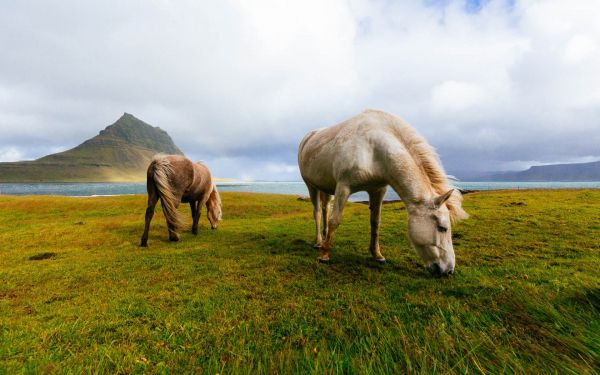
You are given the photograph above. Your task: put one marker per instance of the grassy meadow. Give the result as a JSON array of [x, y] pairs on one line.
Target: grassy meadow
[[78, 295]]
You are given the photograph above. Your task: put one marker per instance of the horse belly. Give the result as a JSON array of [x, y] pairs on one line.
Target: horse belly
[[317, 169], [355, 170], [192, 195], [322, 181]]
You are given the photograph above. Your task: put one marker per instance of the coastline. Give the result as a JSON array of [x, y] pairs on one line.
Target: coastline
[[295, 188]]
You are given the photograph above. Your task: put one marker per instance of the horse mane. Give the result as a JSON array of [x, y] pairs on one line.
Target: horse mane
[[214, 195], [430, 166]]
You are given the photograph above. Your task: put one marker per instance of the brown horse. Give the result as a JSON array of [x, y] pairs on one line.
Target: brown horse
[[174, 179]]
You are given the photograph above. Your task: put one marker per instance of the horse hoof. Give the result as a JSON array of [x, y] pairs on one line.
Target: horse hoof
[[144, 244], [317, 246], [381, 261], [323, 261]]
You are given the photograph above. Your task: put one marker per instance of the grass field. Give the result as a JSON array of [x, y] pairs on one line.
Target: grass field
[[77, 293]]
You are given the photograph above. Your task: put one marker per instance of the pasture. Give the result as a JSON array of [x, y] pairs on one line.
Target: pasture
[[78, 294]]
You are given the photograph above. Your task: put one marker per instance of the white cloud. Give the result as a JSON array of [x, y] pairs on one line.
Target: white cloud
[[244, 81], [246, 168], [578, 48], [456, 96], [10, 154]]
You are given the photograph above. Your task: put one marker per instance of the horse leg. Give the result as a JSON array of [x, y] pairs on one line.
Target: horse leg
[[325, 198], [342, 192], [195, 208], [314, 198], [375, 200], [152, 200], [198, 212]]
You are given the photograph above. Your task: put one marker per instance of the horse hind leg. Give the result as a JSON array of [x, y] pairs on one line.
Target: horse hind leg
[[325, 199], [342, 192], [375, 201], [314, 198], [152, 200]]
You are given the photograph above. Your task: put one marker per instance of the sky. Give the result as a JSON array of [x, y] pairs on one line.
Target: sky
[[492, 85]]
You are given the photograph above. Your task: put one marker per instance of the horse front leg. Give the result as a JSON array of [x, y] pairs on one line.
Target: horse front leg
[[193, 207], [152, 200], [342, 192], [314, 198], [196, 208], [375, 201]]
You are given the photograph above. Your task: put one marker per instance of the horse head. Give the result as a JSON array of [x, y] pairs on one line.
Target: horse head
[[430, 234], [213, 205]]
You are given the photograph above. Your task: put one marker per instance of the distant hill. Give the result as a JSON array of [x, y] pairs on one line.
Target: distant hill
[[553, 172], [120, 153]]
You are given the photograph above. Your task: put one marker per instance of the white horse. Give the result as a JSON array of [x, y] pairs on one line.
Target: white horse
[[367, 153]]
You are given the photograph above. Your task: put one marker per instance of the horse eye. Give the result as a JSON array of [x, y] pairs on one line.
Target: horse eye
[[442, 229]]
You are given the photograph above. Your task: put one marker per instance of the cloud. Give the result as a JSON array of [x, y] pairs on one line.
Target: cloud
[[238, 84], [451, 96], [578, 48], [10, 154]]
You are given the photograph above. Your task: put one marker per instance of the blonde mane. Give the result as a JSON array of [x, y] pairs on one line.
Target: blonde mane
[[428, 161]]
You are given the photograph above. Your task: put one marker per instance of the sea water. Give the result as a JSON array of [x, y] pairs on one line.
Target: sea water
[[291, 188]]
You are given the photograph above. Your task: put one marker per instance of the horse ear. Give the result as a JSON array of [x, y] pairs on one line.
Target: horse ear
[[442, 198]]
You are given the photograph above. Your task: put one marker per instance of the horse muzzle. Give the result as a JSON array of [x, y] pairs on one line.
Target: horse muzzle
[[437, 271]]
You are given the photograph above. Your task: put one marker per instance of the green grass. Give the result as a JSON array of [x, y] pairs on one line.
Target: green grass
[[251, 298]]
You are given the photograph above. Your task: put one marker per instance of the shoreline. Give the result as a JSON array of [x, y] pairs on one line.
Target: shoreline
[[297, 189]]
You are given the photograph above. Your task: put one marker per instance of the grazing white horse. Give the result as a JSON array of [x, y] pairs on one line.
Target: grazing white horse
[[367, 153]]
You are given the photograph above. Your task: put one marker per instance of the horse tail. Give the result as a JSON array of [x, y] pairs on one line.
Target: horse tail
[[160, 172]]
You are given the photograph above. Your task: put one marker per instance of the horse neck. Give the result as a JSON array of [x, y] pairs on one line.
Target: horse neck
[[408, 181]]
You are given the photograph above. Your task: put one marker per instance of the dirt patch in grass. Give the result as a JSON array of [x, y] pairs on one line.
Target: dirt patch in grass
[[515, 204], [43, 256]]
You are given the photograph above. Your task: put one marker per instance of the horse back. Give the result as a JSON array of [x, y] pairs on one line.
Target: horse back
[[357, 150], [201, 183], [180, 171]]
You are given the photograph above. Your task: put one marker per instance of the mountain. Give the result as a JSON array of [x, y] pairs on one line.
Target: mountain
[[553, 172], [120, 153]]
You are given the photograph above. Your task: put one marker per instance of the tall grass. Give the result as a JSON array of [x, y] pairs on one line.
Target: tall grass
[[250, 297]]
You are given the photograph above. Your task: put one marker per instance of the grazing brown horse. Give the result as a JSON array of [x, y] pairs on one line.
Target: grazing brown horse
[[174, 179]]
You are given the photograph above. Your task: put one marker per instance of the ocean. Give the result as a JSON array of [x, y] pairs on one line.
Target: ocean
[[292, 188]]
